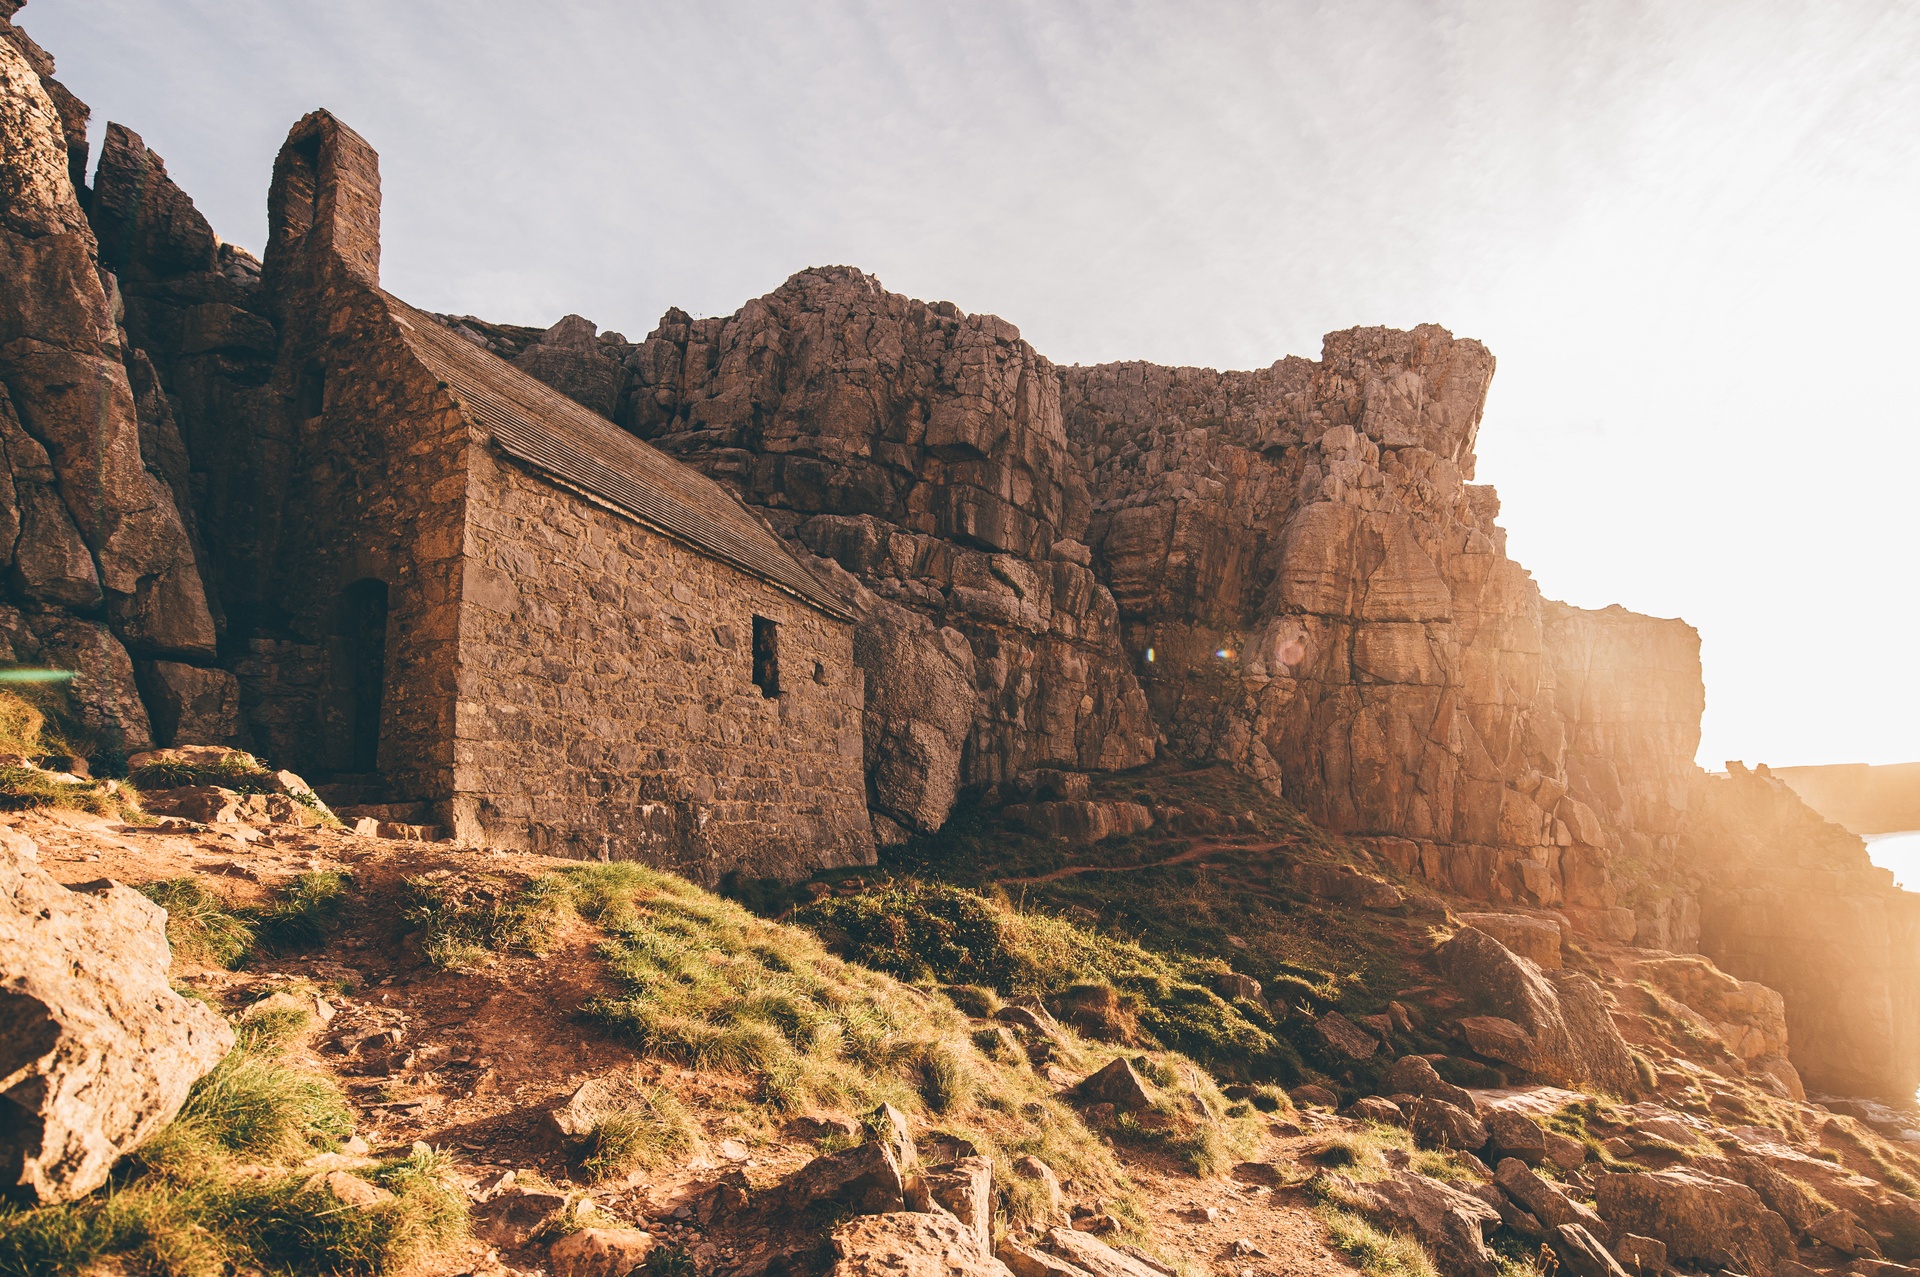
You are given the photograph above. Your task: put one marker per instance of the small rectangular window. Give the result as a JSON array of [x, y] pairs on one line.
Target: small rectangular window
[[766, 656]]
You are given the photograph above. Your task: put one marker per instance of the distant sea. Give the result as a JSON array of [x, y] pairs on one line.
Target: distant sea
[[1900, 853]]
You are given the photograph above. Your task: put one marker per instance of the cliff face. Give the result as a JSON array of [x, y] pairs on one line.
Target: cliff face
[[923, 452], [99, 565]]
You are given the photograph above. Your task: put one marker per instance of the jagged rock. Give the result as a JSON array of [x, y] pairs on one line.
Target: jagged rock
[[1116, 1084], [572, 359], [1641, 1256], [1094, 1256], [1449, 1223], [1568, 1037], [1564, 1151], [1415, 1075], [1517, 1218], [1343, 1038], [868, 1179], [1438, 1124], [98, 1049], [1343, 884], [1376, 1108], [204, 803], [1536, 939], [922, 450], [350, 1190], [1029, 1167], [1545, 1201], [1841, 1230], [600, 1252], [1511, 1134], [1700, 1217], [189, 705], [1581, 1254], [919, 708], [965, 1187], [507, 1217], [575, 1122], [1082, 822], [1025, 1261], [1794, 904]]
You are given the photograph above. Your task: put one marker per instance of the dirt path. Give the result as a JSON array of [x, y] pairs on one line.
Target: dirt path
[[1199, 852]]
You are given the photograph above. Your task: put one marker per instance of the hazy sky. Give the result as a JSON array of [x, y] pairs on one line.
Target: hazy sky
[[1687, 230]]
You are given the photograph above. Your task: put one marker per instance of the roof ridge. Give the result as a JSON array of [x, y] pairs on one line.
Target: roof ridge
[[583, 451]]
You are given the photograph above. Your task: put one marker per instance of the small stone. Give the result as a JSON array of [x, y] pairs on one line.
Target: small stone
[[600, 1252], [1313, 1096]]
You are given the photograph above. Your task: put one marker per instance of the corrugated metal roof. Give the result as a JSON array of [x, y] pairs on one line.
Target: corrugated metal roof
[[580, 449]]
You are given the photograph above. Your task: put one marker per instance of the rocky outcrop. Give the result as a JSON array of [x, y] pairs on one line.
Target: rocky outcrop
[[908, 1244], [99, 560], [1565, 1034], [1700, 1217], [576, 360], [96, 1050], [923, 451]]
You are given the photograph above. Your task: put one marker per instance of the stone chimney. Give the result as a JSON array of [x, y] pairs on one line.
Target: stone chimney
[[325, 199]]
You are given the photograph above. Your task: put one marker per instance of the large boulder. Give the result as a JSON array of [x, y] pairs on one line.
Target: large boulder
[[909, 1244], [1544, 1201], [97, 1051], [1567, 1036], [1700, 1217], [1438, 1124], [1451, 1224], [1415, 1075]]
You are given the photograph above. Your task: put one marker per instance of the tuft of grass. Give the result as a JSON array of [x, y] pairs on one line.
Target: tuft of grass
[[200, 925], [1361, 1154], [31, 789], [203, 927], [463, 925], [1374, 1251], [651, 1131], [306, 912], [238, 771], [218, 1190]]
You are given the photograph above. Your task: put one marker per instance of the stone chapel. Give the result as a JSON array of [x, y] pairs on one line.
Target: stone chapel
[[535, 627]]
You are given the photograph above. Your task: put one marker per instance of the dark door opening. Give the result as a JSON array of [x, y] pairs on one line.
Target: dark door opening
[[766, 656], [360, 678]]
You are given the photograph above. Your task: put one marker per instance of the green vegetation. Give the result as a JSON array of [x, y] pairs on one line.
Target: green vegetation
[[305, 912], [464, 923], [181, 1206], [1376, 1253], [36, 722], [203, 927], [1111, 989], [651, 1131], [238, 771], [200, 925], [1126, 939], [705, 983], [1361, 1154]]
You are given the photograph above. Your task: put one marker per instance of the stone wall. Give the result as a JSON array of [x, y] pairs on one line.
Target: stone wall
[[607, 704]]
